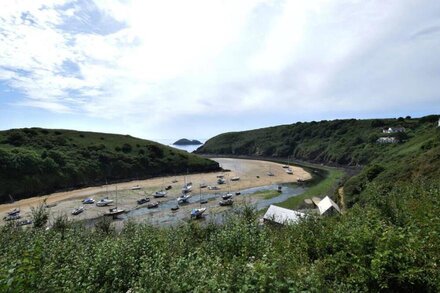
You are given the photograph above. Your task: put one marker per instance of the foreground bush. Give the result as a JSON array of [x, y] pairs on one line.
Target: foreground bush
[[374, 247]]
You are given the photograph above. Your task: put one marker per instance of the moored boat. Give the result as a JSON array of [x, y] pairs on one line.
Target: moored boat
[[213, 188], [24, 222], [12, 217], [104, 202], [236, 178], [227, 202], [160, 193], [221, 180], [227, 196], [88, 200], [143, 200], [187, 187], [114, 212], [152, 205], [197, 213], [77, 211], [183, 198], [13, 212]]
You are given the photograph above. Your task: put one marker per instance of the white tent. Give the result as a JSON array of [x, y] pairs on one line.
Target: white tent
[[327, 204], [282, 215]]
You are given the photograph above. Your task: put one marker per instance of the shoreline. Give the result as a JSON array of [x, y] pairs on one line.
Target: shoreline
[[252, 173]]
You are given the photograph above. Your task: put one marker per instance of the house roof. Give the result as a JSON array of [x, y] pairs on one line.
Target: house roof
[[282, 215], [326, 204]]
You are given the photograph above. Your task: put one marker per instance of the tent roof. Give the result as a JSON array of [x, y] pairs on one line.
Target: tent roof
[[326, 204], [282, 215]]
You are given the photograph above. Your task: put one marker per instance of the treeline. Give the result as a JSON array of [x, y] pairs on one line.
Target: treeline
[[341, 142], [389, 243], [347, 143], [38, 161]]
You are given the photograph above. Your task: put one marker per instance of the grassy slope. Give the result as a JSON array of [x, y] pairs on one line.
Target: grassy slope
[[344, 142], [324, 183], [35, 161]]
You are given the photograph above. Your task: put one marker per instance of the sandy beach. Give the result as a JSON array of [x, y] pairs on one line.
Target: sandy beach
[[252, 173]]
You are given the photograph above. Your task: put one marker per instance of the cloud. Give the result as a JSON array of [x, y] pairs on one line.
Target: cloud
[[160, 62]]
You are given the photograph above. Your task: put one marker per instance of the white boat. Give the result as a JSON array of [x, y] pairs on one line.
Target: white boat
[[183, 198], [104, 202], [77, 211], [24, 222], [187, 187], [197, 213], [270, 173], [289, 171], [152, 205], [227, 202], [236, 178], [114, 212], [160, 193], [213, 188], [136, 187], [227, 196]]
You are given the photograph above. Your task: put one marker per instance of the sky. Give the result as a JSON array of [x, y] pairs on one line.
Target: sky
[[172, 69]]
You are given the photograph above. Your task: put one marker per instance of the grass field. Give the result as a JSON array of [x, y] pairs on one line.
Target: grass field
[[324, 182]]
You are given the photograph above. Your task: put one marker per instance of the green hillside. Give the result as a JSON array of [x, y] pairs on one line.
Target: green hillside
[[38, 161], [346, 143]]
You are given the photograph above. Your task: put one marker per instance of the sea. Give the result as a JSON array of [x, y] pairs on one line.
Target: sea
[[188, 148]]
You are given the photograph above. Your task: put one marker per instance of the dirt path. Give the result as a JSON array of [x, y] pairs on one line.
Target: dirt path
[[252, 173], [341, 197]]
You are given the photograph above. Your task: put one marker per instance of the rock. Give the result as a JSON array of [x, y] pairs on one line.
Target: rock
[[185, 141]]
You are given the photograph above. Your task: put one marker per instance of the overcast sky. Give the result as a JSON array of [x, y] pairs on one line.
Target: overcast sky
[[171, 69]]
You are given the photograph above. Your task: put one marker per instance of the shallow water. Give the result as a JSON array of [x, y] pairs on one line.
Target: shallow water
[[163, 216]]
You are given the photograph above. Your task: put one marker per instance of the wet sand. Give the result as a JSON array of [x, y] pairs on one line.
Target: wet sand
[[247, 170]]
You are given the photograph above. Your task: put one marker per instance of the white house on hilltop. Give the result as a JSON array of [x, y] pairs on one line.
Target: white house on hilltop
[[393, 129]]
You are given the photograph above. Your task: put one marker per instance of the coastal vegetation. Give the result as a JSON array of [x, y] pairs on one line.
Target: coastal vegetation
[[37, 161], [386, 240], [346, 143], [324, 181], [388, 244]]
